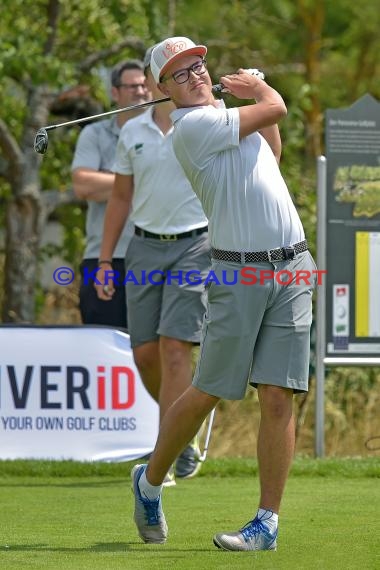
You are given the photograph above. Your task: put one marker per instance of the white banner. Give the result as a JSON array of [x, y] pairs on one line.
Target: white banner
[[72, 393]]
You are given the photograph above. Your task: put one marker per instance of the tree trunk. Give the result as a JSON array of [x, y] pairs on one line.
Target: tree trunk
[[312, 16], [22, 243]]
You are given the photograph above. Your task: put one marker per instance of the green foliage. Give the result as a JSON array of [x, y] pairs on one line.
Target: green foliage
[[45, 42], [350, 390], [72, 217], [39, 298]]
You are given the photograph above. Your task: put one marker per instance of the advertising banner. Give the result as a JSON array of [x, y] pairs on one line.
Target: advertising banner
[[72, 393]]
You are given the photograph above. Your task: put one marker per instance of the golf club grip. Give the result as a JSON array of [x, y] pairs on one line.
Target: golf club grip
[[218, 88]]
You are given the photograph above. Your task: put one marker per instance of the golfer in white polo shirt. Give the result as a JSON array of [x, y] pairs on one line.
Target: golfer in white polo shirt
[[165, 305], [254, 332]]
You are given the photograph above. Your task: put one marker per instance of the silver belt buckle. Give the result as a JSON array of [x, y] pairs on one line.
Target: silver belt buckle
[[168, 237], [289, 252]]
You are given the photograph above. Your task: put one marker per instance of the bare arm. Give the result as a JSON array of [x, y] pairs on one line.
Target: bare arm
[[268, 109], [273, 138], [89, 184], [115, 218]]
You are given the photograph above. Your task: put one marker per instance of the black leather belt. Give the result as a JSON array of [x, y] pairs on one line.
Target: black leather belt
[[170, 237], [278, 254]]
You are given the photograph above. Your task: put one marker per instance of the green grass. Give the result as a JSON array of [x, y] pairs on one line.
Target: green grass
[[79, 516]]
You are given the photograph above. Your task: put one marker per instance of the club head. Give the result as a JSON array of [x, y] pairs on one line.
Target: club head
[[41, 141]]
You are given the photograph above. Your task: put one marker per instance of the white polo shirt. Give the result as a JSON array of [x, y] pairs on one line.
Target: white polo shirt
[[96, 149], [163, 200], [238, 182]]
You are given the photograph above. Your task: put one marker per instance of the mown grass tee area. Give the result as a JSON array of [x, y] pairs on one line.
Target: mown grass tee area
[[68, 515]]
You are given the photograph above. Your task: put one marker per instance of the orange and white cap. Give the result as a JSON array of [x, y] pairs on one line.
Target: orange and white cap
[[169, 50]]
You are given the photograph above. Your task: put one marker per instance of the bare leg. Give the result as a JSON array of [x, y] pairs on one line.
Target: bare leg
[[179, 425], [147, 359], [176, 370], [275, 446]]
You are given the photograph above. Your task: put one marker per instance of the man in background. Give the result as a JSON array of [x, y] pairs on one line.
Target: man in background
[[93, 181]]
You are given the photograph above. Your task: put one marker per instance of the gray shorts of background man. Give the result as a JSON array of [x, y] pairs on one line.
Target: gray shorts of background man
[[167, 259], [93, 182], [256, 330]]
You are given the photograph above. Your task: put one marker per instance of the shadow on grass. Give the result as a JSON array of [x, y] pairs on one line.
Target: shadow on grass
[[97, 547]]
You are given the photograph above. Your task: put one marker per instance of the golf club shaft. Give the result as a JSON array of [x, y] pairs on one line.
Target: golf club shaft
[[41, 139], [216, 88], [92, 117], [208, 436]]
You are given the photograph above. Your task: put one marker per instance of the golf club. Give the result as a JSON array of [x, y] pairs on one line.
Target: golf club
[[208, 436], [41, 140]]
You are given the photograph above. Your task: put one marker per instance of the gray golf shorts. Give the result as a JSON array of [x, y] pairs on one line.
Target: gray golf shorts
[[173, 306], [256, 333]]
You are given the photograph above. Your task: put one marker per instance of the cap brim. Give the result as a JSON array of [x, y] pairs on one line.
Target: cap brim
[[197, 50]]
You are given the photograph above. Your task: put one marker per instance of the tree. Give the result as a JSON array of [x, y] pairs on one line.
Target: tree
[[318, 55], [33, 81]]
